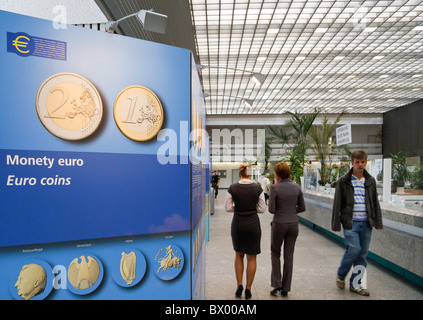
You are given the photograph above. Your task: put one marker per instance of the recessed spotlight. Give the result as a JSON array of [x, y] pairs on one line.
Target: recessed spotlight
[[300, 58], [378, 57], [418, 28], [352, 76], [366, 100], [332, 90], [339, 58], [370, 29], [417, 89], [273, 30], [417, 75], [359, 90], [387, 90], [384, 76], [371, 108], [321, 30]]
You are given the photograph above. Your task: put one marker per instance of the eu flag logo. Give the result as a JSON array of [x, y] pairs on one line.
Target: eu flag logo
[[25, 45], [20, 43]]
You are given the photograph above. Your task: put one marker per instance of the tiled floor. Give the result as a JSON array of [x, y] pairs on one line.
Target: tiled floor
[[316, 260]]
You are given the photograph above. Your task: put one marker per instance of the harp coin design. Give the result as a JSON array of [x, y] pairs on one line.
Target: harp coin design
[[128, 265]]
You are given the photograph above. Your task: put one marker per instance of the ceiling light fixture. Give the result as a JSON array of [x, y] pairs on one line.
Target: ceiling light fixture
[[258, 78], [150, 21], [247, 102], [321, 30], [370, 29]]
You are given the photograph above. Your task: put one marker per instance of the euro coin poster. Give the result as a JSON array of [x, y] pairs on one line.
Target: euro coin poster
[[95, 190]]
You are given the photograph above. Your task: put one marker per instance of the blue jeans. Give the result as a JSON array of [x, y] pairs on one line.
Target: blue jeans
[[357, 241]]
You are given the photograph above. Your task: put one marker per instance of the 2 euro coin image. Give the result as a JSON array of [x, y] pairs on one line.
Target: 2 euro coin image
[[138, 113], [69, 106]]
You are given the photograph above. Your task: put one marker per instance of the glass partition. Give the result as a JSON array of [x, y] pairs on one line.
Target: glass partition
[[399, 180]]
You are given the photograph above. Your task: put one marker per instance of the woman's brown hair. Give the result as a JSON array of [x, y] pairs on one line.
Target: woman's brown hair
[[244, 170], [282, 170]]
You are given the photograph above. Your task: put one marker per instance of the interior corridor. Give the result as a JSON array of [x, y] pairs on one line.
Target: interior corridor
[[316, 260]]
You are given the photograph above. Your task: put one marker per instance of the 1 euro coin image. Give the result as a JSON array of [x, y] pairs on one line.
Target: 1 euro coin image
[[138, 113], [69, 106]]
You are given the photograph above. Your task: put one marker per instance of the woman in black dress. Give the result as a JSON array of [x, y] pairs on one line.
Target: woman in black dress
[[245, 199]]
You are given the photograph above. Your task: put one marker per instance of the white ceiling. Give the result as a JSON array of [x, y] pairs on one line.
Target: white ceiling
[[75, 11], [363, 56]]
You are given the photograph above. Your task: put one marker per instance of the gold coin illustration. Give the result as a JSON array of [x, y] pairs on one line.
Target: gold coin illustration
[[138, 113], [69, 106], [84, 274]]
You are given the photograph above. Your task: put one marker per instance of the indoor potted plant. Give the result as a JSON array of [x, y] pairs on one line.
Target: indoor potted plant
[[400, 172]]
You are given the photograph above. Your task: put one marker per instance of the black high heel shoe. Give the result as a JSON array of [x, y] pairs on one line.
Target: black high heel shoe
[[275, 291], [238, 292], [247, 294]]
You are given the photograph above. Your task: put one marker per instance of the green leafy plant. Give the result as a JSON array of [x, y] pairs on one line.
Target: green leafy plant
[[400, 172], [294, 161], [324, 147], [416, 178]]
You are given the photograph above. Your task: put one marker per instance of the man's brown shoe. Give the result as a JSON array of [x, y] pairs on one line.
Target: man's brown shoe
[[360, 291], [340, 283]]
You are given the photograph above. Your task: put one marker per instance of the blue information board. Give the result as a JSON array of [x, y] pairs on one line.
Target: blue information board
[[87, 189]]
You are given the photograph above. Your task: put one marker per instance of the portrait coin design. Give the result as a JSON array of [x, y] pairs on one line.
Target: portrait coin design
[[69, 106], [138, 113]]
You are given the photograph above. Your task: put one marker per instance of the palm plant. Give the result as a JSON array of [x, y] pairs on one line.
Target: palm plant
[[323, 145], [300, 125]]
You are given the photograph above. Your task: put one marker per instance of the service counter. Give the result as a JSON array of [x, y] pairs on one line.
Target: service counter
[[398, 246]]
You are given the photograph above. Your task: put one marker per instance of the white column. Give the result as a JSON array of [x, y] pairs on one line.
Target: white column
[[387, 175]]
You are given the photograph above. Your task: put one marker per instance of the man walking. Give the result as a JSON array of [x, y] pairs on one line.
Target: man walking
[[215, 183], [356, 207]]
